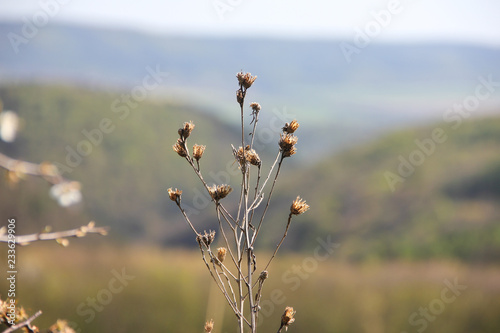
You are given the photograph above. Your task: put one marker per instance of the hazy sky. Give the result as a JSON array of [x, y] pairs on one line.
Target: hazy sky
[[429, 20]]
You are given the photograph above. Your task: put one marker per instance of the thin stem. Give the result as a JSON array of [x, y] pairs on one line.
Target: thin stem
[[238, 313], [186, 217], [281, 242], [227, 243], [268, 201]]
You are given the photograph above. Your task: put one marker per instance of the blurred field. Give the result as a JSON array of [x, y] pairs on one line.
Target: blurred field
[[171, 292]]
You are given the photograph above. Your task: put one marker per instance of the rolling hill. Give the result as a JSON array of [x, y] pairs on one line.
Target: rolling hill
[[443, 203]]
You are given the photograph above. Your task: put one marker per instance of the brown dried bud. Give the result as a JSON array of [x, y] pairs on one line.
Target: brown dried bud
[[175, 195], [299, 206], [179, 148], [186, 130], [253, 157], [255, 107], [245, 79], [221, 254], [288, 153], [263, 275], [218, 192], [198, 151], [209, 326], [240, 97], [287, 317], [292, 127], [286, 143]]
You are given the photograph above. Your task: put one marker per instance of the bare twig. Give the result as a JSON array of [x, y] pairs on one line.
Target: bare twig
[[26, 323], [78, 232]]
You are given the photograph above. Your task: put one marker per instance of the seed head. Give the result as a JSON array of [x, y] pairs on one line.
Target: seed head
[[287, 143], [186, 130], [175, 195], [179, 148], [198, 151], [292, 127], [218, 192], [288, 153], [263, 275], [255, 107], [245, 79], [221, 254], [253, 157], [209, 326], [298, 206], [207, 238], [287, 317]]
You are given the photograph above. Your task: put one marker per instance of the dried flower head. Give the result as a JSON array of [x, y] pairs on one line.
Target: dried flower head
[[263, 275], [198, 151], [287, 143], [287, 317], [253, 157], [255, 107], [186, 130], [292, 127], [246, 79], [207, 238], [298, 206], [209, 326], [175, 195], [246, 155], [290, 152], [221, 254], [218, 192], [179, 148]]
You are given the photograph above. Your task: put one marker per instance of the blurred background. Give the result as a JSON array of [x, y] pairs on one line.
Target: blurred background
[[398, 157]]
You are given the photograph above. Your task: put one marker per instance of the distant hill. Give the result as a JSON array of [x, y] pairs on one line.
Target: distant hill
[[385, 86], [408, 196], [126, 172], [444, 203]]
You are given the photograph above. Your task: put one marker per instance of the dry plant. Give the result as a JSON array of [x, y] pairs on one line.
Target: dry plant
[[235, 277]]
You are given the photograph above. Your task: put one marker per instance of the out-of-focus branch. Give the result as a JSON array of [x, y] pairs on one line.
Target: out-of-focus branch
[[60, 236], [18, 168], [26, 323]]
